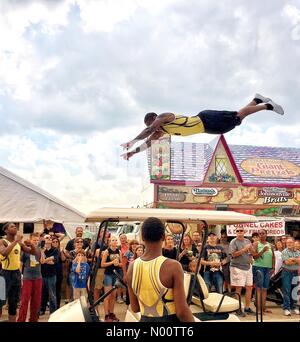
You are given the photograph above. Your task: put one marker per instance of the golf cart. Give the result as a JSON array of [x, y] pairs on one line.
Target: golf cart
[[206, 306]]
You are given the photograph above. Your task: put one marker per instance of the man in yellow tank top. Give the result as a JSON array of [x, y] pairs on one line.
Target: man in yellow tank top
[[207, 121], [10, 258], [155, 283]]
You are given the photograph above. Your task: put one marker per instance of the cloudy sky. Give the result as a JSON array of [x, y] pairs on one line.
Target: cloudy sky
[[77, 77]]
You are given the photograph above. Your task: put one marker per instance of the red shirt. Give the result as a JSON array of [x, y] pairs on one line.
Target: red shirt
[[123, 249]]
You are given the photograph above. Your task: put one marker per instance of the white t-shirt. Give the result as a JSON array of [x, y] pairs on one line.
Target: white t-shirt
[[278, 261]]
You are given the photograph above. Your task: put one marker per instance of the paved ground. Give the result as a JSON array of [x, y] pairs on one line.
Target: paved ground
[[120, 311]]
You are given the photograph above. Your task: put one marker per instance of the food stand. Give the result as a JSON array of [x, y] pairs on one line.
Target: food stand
[[258, 180]]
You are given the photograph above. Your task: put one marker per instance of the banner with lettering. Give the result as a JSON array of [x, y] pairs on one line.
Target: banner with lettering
[[273, 228], [160, 159]]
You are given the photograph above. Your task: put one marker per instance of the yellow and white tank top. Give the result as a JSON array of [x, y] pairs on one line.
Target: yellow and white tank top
[[155, 300], [184, 125], [12, 262]]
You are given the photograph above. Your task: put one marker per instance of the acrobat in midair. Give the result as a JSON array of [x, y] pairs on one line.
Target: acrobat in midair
[[207, 121]]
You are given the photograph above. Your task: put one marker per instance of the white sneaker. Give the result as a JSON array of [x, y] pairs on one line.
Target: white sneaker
[[297, 312], [120, 300], [287, 313], [276, 107], [262, 98]]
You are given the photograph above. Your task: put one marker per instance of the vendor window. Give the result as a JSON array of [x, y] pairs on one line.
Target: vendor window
[[221, 207], [286, 210]]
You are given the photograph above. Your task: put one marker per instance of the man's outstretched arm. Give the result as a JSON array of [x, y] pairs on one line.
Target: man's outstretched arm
[[143, 135], [161, 120], [154, 127], [144, 146]]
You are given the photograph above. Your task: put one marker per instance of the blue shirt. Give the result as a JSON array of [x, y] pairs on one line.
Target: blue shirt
[[81, 278], [130, 257]]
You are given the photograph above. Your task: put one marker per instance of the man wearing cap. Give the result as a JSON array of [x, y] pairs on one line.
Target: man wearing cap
[[213, 258], [240, 250]]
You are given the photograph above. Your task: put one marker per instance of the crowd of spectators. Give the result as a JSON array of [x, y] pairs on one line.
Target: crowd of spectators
[[243, 264], [35, 269]]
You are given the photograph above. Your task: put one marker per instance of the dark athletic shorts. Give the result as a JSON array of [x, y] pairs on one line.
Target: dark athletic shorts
[[219, 121]]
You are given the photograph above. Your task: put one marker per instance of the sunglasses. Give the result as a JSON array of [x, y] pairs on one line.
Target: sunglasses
[[79, 241], [239, 231]]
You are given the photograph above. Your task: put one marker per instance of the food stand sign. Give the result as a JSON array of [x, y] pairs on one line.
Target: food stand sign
[[171, 194], [273, 228], [275, 195], [204, 192], [270, 168]]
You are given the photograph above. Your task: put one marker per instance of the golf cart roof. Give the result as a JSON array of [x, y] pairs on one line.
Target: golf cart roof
[[182, 215]]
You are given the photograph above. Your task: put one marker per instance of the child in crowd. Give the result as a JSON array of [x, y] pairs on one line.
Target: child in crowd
[[81, 269], [192, 269], [254, 237], [129, 255], [140, 250], [169, 249], [128, 258]]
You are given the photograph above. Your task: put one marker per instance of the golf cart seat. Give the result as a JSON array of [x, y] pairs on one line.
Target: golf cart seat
[[132, 316], [215, 302], [187, 283]]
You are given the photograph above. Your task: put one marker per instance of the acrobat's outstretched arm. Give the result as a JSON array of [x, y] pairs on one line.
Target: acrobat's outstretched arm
[[144, 146], [143, 135], [154, 127]]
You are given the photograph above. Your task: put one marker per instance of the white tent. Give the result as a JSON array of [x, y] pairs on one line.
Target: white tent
[[21, 201]]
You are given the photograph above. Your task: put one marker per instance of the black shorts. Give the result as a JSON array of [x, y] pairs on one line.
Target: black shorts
[[12, 290], [219, 121]]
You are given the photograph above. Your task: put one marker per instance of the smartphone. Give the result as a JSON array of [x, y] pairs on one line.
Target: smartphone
[[42, 243]]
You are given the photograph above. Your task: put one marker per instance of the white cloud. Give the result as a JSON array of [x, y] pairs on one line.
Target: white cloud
[[20, 68], [86, 174], [104, 15], [253, 134], [293, 12]]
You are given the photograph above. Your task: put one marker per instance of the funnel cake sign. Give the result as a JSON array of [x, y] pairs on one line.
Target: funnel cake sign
[[270, 168], [273, 228]]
